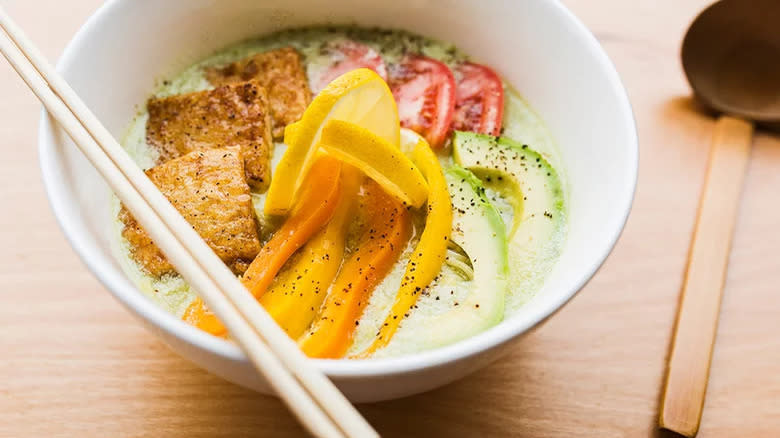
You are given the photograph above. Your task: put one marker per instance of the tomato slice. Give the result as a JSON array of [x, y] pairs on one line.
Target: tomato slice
[[348, 55], [480, 100], [424, 89]]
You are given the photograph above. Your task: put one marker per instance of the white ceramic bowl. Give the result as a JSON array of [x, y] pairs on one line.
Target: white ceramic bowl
[[538, 45]]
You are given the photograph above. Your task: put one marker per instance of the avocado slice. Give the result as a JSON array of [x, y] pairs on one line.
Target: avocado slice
[[533, 189]]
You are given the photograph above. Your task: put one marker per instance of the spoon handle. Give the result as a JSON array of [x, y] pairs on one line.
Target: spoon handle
[[697, 318]]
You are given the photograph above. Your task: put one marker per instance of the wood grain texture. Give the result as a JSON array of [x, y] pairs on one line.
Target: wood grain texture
[[73, 362], [697, 319]]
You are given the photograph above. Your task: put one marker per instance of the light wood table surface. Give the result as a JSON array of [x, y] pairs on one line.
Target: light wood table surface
[[73, 362]]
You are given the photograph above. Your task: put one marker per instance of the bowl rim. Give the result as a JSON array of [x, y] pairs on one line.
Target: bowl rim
[[491, 338]]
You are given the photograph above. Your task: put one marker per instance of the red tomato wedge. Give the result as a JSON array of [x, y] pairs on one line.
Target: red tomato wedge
[[348, 55], [479, 106], [424, 89]]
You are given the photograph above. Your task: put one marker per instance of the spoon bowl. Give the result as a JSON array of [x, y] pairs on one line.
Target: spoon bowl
[[731, 57]]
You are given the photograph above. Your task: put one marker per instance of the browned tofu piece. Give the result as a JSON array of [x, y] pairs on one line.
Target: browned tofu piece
[[229, 115], [208, 188], [281, 73]]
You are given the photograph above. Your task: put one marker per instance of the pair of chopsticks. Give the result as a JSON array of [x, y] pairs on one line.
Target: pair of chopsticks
[[314, 400]]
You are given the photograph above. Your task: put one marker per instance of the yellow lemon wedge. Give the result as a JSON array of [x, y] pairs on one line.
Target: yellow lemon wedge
[[377, 158], [361, 97]]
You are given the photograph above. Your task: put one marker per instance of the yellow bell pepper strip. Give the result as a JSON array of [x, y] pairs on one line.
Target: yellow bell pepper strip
[[431, 250], [387, 229], [297, 293], [316, 207], [360, 96], [379, 159]]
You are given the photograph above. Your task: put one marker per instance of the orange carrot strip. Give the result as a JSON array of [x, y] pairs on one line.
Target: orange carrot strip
[[200, 316], [314, 209], [429, 254], [388, 228]]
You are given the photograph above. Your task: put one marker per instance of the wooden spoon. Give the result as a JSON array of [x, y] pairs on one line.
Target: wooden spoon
[[731, 56]]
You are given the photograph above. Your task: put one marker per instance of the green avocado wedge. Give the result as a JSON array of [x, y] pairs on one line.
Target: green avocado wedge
[[532, 187]]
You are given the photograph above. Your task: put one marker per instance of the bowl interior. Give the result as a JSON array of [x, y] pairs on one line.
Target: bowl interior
[[544, 52]]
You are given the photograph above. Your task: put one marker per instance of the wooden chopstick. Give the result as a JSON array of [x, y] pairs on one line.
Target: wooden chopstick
[[323, 410]]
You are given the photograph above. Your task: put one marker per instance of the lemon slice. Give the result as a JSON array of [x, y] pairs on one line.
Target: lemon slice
[[361, 97], [380, 160]]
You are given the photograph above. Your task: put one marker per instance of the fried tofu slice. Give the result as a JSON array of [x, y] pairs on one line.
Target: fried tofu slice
[[208, 188], [229, 115], [281, 73]]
